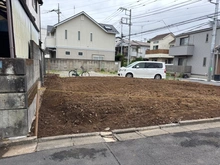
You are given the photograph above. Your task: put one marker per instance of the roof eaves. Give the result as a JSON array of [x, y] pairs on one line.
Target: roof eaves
[[68, 19]]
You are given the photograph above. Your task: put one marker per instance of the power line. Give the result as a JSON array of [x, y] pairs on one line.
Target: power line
[[178, 23], [165, 9]]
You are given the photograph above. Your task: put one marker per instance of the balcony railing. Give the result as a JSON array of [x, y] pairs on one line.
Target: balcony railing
[[158, 51], [184, 50]]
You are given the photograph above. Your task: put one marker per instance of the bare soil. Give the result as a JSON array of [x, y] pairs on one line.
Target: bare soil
[[90, 104]]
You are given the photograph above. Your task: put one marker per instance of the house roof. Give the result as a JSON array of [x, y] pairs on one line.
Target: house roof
[[134, 43], [160, 37], [173, 41], [196, 31], [106, 27]]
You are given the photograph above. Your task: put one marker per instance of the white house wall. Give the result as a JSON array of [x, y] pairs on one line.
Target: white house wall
[[35, 14], [163, 43], [102, 43], [24, 31]]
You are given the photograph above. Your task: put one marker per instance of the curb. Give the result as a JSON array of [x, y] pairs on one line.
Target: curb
[[23, 141], [71, 136], [200, 121], [29, 140]]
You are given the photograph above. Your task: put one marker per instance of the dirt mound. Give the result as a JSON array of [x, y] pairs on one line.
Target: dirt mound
[[89, 104]]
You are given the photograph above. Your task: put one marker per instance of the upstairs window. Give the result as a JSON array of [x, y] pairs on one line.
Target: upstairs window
[[184, 41], [155, 42], [207, 38], [204, 61], [66, 34], [156, 47], [78, 35], [91, 37]]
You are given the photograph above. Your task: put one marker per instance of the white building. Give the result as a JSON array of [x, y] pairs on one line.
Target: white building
[[159, 48], [81, 37]]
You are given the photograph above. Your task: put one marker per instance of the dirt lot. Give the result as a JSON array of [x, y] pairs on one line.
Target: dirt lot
[[89, 104]]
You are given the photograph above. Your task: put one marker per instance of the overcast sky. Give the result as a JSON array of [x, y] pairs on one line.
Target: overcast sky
[[146, 14]]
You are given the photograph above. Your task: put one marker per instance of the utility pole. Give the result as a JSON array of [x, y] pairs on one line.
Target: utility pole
[[211, 61], [127, 22], [57, 11], [121, 39], [129, 40]]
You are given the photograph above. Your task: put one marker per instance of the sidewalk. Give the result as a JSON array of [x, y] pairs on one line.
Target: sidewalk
[[202, 81], [22, 146]]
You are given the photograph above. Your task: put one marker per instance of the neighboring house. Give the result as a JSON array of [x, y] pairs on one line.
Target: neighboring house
[[159, 48], [193, 49], [81, 37], [43, 37], [20, 65], [137, 50]]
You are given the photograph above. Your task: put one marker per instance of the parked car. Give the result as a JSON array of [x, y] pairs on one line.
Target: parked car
[[144, 69]]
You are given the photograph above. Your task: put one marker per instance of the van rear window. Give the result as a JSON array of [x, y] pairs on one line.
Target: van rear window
[[154, 65]]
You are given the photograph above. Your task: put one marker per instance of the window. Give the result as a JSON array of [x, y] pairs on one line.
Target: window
[[140, 65], [78, 35], [180, 61], [155, 42], [66, 34], [34, 4], [207, 38], [67, 52], [155, 47], [91, 37], [108, 27], [154, 65], [133, 49], [184, 41], [98, 57], [80, 53], [204, 61]]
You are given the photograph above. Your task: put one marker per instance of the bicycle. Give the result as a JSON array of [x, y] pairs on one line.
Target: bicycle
[[74, 72]]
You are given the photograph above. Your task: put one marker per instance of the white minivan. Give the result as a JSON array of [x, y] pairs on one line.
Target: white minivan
[[144, 69]]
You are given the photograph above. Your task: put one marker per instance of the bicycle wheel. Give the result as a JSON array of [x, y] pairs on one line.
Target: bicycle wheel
[[72, 73], [85, 74]]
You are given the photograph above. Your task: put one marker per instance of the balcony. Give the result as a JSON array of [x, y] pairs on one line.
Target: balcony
[[50, 42], [184, 50], [158, 51]]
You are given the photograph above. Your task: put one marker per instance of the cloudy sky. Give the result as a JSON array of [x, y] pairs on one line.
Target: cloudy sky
[[147, 15]]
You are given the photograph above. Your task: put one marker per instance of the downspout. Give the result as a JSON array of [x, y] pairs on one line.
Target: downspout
[[10, 29]]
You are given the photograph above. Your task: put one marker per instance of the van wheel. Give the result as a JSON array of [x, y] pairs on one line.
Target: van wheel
[[129, 75], [157, 76]]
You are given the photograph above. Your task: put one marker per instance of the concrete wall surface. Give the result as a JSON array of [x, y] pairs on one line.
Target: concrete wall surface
[[90, 65], [18, 89]]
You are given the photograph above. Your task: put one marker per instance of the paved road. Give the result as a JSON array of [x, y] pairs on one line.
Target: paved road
[[187, 148]]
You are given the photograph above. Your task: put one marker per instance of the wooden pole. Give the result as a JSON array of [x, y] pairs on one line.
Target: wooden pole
[[37, 108]]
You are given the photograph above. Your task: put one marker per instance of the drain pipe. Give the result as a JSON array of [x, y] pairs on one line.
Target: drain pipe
[[10, 29]]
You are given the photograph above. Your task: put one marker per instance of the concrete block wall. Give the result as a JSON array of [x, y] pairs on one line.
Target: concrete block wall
[[91, 65], [17, 95]]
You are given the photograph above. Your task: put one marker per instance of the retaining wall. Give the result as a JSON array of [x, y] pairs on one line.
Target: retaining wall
[[18, 89]]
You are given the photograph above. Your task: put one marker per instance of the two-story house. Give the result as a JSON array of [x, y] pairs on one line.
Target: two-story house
[[138, 48], [81, 37], [159, 48], [193, 49]]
